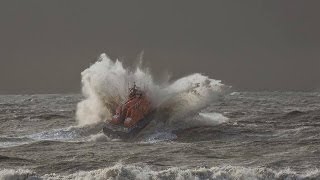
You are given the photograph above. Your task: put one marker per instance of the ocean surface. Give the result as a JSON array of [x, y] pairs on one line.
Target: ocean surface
[[239, 135]]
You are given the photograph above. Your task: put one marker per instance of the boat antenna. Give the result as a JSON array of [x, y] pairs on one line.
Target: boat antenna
[[128, 88]]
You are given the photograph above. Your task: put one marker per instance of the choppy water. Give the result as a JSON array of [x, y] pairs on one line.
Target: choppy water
[[255, 135]]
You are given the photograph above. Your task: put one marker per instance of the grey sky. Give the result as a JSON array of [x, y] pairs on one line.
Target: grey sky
[[249, 44]]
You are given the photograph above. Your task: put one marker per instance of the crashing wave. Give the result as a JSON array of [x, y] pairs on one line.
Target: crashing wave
[[12, 174], [105, 84], [120, 171]]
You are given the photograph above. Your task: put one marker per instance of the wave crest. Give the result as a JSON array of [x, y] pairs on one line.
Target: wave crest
[[12, 174], [120, 171]]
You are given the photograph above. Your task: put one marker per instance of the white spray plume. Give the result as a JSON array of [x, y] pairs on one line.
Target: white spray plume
[[105, 84]]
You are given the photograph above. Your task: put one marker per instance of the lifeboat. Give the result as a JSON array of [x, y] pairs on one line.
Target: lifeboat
[[130, 117]]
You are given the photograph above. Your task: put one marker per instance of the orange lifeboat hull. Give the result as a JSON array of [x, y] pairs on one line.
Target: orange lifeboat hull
[[131, 116], [132, 112]]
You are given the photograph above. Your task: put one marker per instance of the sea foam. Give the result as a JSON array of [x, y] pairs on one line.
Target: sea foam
[[120, 171]]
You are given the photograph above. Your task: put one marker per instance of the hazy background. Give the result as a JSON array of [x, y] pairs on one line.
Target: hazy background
[[251, 45]]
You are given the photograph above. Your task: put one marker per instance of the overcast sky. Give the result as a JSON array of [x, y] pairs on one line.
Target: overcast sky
[[248, 44]]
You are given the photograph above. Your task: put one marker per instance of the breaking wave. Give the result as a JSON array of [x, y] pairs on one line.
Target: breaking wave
[[105, 84], [212, 118], [120, 171], [11, 174]]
